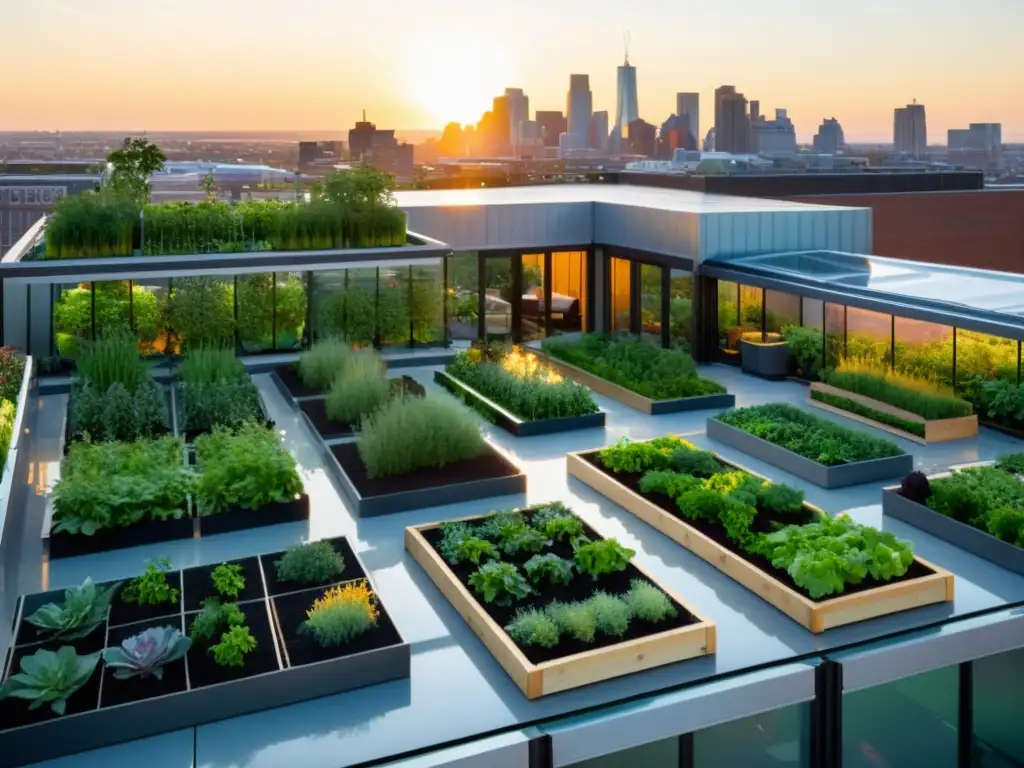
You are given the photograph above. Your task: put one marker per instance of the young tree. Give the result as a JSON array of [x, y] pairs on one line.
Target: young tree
[[210, 185], [131, 166], [361, 188]]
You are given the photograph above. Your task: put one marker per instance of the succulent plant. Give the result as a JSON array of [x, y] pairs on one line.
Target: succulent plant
[[147, 653], [50, 677], [83, 609]]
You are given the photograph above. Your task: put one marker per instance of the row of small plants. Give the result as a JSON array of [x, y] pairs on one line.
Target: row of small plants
[[767, 523], [214, 389], [219, 642], [636, 364], [924, 397], [808, 435], [990, 498], [516, 380], [551, 586], [12, 370]]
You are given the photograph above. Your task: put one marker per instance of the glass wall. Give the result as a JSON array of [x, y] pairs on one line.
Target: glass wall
[[201, 312], [426, 305], [498, 298], [72, 317], [393, 316], [728, 317], [657, 754], [361, 305], [781, 310], [751, 303], [869, 339], [924, 350], [113, 313], [290, 310], [532, 323], [835, 334], [998, 696], [254, 295], [149, 316], [767, 740], [463, 295], [568, 292], [620, 294], [650, 300], [903, 723], [979, 356], [680, 311]]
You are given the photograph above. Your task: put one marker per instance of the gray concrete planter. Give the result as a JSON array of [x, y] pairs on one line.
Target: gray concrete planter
[[508, 420], [961, 535], [768, 360], [100, 726], [839, 476]]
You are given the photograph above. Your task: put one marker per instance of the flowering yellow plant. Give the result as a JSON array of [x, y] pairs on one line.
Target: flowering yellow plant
[[347, 594], [526, 365]]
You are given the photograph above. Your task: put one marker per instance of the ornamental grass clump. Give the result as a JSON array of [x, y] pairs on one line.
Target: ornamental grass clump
[[341, 615], [320, 365], [359, 388], [409, 434], [924, 397]]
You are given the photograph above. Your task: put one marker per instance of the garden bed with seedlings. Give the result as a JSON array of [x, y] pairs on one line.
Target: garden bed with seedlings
[[557, 605], [636, 373], [978, 509], [176, 649], [214, 389], [822, 572], [513, 389], [814, 449]]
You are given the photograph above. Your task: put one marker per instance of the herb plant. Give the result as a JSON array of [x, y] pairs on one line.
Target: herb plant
[[611, 614], [215, 618], [647, 602], [599, 558], [358, 389], [342, 614], [499, 583], [575, 620], [151, 588], [233, 647], [452, 536], [312, 563], [922, 396], [50, 677], [549, 568], [629, 456], [533, 628], [147, 653], [320, 365], [476, 551], [563, 528], [228, 580], [988, 498], [83, 610]]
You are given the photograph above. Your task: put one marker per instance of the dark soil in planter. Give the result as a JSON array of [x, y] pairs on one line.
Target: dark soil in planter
[[203, 670], [580, 588], [199, 585], [28, 635], [140, 534], [15, 712], [241, 519], [352, 570], [289, 376], [487, 466], [138, 689], [302, 648], [327, 428], [132, 613], [763, 524], [407, 385]]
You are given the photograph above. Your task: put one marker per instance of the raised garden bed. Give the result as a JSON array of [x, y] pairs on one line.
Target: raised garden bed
[[896, 420], [59, 545], [190, 435], [838, 476], [540, 669], [281, 670], [489, 474], [239, 519], [286, 378], [167, 429], [922, 583], [632, 399], [770, 360], [314, 410], [508, 420]]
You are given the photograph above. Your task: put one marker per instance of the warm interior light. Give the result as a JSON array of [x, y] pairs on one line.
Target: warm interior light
[[526, 364]]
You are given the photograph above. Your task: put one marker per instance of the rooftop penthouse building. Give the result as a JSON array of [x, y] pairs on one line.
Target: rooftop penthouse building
[[767, 295]]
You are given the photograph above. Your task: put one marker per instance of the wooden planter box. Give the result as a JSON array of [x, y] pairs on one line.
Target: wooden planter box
[[770, 360], [963, 536], [536, 680], [817, 616], [508, 420], [632, 399], [839, 476], [937, 431]]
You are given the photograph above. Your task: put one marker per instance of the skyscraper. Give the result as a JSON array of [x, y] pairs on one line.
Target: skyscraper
[[627, 110], [776, 136], [829, 138], [552, 125], [732, 125], [518, 111], [580, 108], [910, 129], [688, 111], [599, 130]]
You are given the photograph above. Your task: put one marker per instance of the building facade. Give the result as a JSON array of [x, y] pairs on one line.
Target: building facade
[[776, 136], [688, 111], [732, 124], [627, 108], [599, 131], [579, 109], [910, 130], [552, 125], [830, 138], [518, 111]]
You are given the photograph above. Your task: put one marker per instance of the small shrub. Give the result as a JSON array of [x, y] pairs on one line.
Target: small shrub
[[1007, 524], [359, 388], [117, 413], [549, 568], [476, 551], [916, 487], [151, 588], [533, 628], [648, 603], [695, 463], [574, 619], [12, 371], [409, 434], [1012, 463], [228, 580], [226, 403], [779, 497], [611, 614], [341, 615], [233, 647], [599, 558], [313, 563], [215, 618], [319, 366], [499, 583]]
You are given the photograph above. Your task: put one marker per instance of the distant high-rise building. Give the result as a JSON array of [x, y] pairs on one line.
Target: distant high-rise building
[[830, 138], [688, 111], [453, 142], [314, 155], [732, 125], [773, 136], [529, 143], [627, 108], [580, 108], [599, 131], [518, 111], [985, 137], [501, 129], [380, 149], [910, 130], [642, 138], [552, 125], [755, 110]]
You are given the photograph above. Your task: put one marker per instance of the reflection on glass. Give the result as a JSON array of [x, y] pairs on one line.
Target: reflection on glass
[[835, 334], [328, 316], [113, 313], [767, 740], [751, 300], [781, 311], [728, 317], [925, 350], [650, 300], [393, 306], [72, 317], [289, 310], [568, 292], [149, 317], [813, 313], [201, 312], [426, 308], [361, 306], [463, 295], [498, 298], [657, 754], [620, 291], [869, 338], [680, 314], [532, 325], [998, 703], [877, 721], [255, 297], [980, 356]]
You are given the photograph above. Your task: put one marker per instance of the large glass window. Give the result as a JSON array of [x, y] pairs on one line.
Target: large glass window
[[255, 297], [113, 310], [620, 293], [568, 292], [72, 317], [728, 317], [426, 309], [998, 705], [980, 356], [680, 310], [907, 722], [149, 316], [328, 297], [869, 338], [813, 313], [393, 306], [290, 310], [650, 300], [202, 312], [751, 304], [531, 322], [498, 298], [463, 295], [924, 350], [767, 740], [781, 310], [835, 334], [361, 305]]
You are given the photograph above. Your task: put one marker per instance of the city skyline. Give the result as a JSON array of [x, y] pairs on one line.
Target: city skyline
[[444, 65]]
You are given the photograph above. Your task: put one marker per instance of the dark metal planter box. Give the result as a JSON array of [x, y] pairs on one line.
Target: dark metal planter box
[[508, 420], [296, 510], [839, 476], [100, 727], [961, 535], [282, 387], [58, 545], [768, 360]]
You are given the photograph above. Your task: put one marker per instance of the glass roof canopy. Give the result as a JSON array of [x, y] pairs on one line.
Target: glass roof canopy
[[977, 299]]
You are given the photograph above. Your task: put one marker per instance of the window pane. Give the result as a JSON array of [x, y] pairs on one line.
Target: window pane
[[290, 309], [463, 295], [907, 722], [781, 310], [650, 300], [568, 292], [498, 298], [202, 312], [986, 369], [657, 754], [72, 317], [255, 296], [532, 317], [728, 317], [751, 299], [835, 334], [361, 305], [426, 308], [112, 311], [328, 303], [767, 740], [998, 705], [149, 316], [813, 315], [620, 290], [680, 308], [924, 350], [869, 338], [393, 306]]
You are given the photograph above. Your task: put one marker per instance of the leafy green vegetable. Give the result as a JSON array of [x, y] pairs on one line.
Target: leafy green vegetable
[[476, 551], [563, 528], [629, 456], [499, 583], [49, 677], [84, 608], [233, 647], [215, 618], [228, 580], [599, 558], [151, 588], [549, 568]]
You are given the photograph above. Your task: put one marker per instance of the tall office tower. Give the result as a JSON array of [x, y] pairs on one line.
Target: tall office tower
[[688, 111], [501, 130], [580, 109], [599, 131], [830, 138], [518, 111], [732, 125], [552, 125], [910, 130], [642, 138], [776, 136], [755, 110], [626, 110]]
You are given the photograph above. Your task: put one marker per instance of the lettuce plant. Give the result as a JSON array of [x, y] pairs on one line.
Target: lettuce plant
[[50, 677], [499, 583], [84, 608], [599, 558], [147, 653], [549, 568]]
